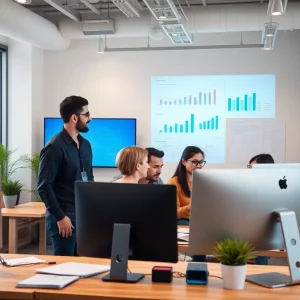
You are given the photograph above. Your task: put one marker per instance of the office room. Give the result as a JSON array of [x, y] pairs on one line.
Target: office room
[[203, 86]]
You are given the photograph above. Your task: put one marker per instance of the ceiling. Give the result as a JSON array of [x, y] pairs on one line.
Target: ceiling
[[42, 8]]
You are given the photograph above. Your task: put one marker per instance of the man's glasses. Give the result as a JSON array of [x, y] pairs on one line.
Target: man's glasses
[[87, 114], [198, 162]]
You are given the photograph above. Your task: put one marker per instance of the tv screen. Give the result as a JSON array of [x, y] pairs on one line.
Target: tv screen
[[107, 137]]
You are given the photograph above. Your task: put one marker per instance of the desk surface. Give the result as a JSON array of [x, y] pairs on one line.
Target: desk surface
[[26, 210], [94, 288]]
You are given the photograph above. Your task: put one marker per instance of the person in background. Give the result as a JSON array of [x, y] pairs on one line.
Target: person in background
[[66, 158], [155, 162], [192, 158], [261, 159], [133, 164]]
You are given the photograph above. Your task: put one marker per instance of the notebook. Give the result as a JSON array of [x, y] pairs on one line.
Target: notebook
[[47, 281], [29, 260], [74, 269]]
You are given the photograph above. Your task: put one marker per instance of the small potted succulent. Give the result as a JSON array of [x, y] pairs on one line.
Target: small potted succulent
[[233, 255], [11, 189]]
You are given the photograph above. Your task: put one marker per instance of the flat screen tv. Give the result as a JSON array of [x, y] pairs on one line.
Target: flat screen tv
[[107, 137]]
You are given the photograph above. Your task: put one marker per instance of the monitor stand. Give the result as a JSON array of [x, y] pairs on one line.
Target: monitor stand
[[119, 257], [292, 243]]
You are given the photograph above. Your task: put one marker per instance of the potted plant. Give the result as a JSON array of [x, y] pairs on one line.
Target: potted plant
[[10, 190], [233, 255], [8, 166], [33, 164]]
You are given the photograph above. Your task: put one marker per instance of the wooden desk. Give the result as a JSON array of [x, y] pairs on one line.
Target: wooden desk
[[184, 248], [94, 288], [24, 215]]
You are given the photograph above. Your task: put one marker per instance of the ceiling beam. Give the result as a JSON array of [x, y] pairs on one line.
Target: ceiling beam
[[91, 7], [66, 10]]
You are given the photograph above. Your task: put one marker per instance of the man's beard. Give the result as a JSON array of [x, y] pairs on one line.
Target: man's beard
[[82, 127], [154, 178]]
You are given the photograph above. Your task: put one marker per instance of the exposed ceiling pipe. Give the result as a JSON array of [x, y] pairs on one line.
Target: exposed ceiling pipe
[[91, 7], [238, 46], [19, 23], [66, 10], [209, 20]]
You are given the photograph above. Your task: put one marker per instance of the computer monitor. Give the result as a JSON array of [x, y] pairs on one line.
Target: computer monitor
[[256, 205], [121, 221], [277, 166]]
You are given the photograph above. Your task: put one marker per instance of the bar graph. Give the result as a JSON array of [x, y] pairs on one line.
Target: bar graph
[[209, 98], [189, 126], [248, 103]]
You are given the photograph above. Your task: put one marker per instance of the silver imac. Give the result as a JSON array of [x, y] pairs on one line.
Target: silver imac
[[261, 206], [277, 166]]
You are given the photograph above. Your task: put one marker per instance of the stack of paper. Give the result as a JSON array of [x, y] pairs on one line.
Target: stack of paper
[[75, 269], [183, 234], [47, 281], [30, 260]]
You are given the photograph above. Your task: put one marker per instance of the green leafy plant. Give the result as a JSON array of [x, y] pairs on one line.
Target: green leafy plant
[[11, 188], [33, 163], [234, 252], [8, 166]]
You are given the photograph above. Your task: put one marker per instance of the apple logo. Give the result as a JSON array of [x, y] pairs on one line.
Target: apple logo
[[282, 183]]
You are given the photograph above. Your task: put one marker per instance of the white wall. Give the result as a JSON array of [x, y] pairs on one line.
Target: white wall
[[3, 39], [25, 92], [118, 84]]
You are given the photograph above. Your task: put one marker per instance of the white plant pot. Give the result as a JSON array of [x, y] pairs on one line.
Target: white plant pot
[[233, 277], [10, 201]]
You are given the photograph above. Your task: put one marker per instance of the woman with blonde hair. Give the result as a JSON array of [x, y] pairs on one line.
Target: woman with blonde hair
[[133, 164]]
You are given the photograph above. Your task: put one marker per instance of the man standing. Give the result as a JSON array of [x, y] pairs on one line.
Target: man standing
[[155, 162], [66, 158]]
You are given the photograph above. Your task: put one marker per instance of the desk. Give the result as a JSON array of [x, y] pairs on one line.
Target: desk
[[94, 288], [24, 215], [184, 248]]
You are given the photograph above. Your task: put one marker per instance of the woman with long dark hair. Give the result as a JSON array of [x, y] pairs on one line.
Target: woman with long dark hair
[[192, 158]]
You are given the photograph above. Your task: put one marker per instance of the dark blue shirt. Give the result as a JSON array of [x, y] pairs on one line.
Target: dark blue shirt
[[61, 165]]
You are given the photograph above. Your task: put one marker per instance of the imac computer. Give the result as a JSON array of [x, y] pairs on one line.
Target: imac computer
[[277, 166], [261, 206], [126, 221]]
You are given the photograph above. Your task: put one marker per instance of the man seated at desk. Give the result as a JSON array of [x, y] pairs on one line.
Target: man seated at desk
[[155, 161]]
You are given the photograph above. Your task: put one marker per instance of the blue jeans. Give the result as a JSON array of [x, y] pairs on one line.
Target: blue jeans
[[196, 258], [61, 245]]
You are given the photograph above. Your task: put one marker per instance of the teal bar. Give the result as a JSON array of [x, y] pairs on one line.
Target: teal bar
[[176, 127], [170, 128], [181, 128], [192, 122], [166, 128], [212, 123], [208, 124], [186, 126], [254, 101], [246, 102]]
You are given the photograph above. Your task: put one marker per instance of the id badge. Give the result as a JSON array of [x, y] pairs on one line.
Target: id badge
[[84, 176]]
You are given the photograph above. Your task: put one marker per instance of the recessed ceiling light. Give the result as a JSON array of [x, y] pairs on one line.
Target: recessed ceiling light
[[23, 1]]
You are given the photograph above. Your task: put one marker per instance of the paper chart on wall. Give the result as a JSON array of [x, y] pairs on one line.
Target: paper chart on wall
[[248, 138]]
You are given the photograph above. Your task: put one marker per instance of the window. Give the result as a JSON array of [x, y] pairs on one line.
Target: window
[[3, 94]]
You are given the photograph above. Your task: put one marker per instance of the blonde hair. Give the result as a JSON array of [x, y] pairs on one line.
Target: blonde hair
[[128, 158]]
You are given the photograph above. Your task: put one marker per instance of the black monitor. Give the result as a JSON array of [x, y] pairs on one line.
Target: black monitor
[[126, 221]]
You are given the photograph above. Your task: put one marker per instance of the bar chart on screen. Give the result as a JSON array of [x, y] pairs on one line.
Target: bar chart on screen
[[250, 97], [191, 126], [202, 99]]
